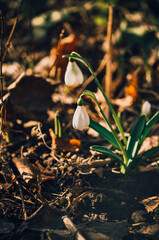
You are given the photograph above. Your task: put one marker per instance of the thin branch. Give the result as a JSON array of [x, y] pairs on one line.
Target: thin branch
[[57, 51], [108, 76], [2, 110], [12, 31]]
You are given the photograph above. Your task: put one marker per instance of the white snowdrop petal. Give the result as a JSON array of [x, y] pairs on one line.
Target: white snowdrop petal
[[86, 118], [76, 116], [146, 108], [79, 74], [78, 122], [70, 77], [80, 118]]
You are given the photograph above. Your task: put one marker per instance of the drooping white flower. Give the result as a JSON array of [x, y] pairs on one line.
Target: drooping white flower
[[81, 119], [146, 108], [73, 74]]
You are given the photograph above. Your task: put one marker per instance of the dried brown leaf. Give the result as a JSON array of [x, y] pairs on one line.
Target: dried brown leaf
[[151, 203]]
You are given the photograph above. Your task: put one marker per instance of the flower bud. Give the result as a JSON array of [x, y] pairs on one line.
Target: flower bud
[[81, 119], [73, 74], [146, 108]]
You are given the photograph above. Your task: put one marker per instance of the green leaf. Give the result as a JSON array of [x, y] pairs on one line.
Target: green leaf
[[107, 151], [150, 152], [107, 135], [139, 159], [148, 127], [134, 137]]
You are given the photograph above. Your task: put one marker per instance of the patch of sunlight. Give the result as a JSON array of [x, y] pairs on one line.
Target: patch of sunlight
[[39, 21], [123, 25], [157, 35], [56, 16], [140, 31], [134, 17]]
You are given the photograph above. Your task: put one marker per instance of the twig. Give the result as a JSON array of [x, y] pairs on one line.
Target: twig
[[149, 92], [1, 52], [31, 31], [32, 195], [39, 190], [108, 76], [12, 31], [72, 228], [57, 52], [1, 74]]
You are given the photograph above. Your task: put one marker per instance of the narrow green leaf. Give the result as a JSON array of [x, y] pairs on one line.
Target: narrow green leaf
[[150, 152], [106, 151], [107, 135], [139, 159], [134, 137], [149, 125]]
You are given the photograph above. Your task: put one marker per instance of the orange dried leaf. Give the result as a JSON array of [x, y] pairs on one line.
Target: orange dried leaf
[[64, 145], [65, 46], [75, 143], [132, 89]]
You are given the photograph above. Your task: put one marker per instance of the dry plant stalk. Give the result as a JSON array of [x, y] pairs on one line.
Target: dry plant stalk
[[57, 52], [1, 74], [12, 31], [108, 76]]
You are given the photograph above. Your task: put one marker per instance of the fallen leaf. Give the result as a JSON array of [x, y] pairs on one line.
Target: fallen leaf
[[31, 97], [30, 170], [57, 63], [75, 143], [24, 168], [123, 102], [151, 203], [132, 89], [71, 145]]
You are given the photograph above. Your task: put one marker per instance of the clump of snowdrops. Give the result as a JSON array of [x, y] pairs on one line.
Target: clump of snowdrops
[[128, 147]]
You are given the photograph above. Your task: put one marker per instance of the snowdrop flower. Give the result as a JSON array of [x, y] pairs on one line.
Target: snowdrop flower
[[73, 74], [80, 118], [146, 108]]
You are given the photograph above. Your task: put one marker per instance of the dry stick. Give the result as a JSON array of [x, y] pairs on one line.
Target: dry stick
[[72, 228], [1, 74], [57, 52], [12, 31], [31, 31], [108, 76]]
